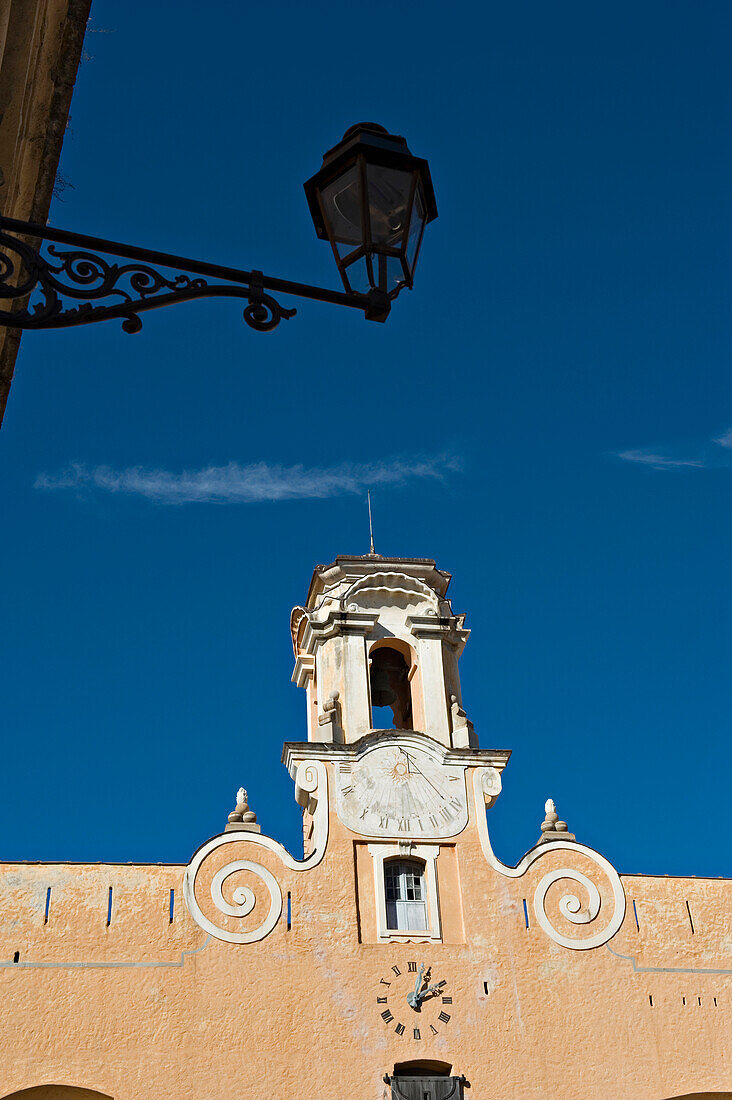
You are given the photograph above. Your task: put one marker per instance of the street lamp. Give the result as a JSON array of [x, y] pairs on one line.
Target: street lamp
[[371, 199]]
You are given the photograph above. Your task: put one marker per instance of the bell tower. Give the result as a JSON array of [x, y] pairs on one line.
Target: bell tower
[[377, 647]]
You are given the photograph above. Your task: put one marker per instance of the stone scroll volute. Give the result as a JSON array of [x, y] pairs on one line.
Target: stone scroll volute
[[233, 886], [579, 901]]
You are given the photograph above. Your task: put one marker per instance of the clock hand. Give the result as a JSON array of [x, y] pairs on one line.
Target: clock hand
[[413, 997], [431, 991]]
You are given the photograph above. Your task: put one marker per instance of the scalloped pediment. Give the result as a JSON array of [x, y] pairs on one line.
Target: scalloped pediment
[[390, 590]]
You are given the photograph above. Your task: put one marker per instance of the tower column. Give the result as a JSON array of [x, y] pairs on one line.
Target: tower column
[[431, 633], [342, 666]]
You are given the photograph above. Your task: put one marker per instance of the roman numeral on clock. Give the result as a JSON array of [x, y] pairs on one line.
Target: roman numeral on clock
[[416, 1033], [447, 1000], [346, 790], [433, 1029], [381, 1000], [386, 1016], [396, 970], [399, 1029], [445, 1017]]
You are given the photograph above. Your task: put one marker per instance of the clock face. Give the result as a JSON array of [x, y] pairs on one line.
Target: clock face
[[416, 1004], [403, 791]]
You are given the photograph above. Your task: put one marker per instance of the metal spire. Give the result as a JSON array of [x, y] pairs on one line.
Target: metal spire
[[371, 526]]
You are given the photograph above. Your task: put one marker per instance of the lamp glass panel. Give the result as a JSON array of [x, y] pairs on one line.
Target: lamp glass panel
[[390, 273], [389, 190], [415, 229], [358, 276], [341, 201], [345, 248]]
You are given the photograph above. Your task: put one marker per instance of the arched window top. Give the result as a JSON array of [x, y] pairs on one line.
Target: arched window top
[[422, 1067], [406, 897], [57, 1092]]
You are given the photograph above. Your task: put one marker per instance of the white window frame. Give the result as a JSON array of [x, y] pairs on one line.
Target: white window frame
[[428, 853]]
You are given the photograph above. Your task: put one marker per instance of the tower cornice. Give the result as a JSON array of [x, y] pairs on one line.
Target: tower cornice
[[295, 752]]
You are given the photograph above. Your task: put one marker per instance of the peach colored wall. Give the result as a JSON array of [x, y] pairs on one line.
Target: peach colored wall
[[146, 1008]]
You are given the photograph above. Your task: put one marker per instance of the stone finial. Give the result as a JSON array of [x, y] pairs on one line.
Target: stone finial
[[551, 827], [241, 817]]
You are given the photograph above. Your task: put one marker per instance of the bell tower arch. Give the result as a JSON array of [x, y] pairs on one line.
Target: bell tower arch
[[377, 646]]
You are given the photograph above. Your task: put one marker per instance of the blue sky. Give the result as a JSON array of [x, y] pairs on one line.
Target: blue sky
[[548, 415]]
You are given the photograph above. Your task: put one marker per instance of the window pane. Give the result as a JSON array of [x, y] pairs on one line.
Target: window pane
[[411, 915], [405, 897]]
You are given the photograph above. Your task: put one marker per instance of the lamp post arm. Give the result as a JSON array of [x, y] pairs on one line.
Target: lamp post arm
[[84, 275]]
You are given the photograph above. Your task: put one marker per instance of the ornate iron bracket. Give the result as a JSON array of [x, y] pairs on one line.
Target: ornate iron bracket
[[44, 285]]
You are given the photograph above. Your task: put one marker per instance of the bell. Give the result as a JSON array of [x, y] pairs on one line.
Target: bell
[[382, 693]]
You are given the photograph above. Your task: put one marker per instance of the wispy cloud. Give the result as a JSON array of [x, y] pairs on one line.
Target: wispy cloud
[[713, 455], [659, 462], [251, 484]]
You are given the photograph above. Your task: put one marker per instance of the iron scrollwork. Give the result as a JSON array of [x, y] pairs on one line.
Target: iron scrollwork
[[44, 284]]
